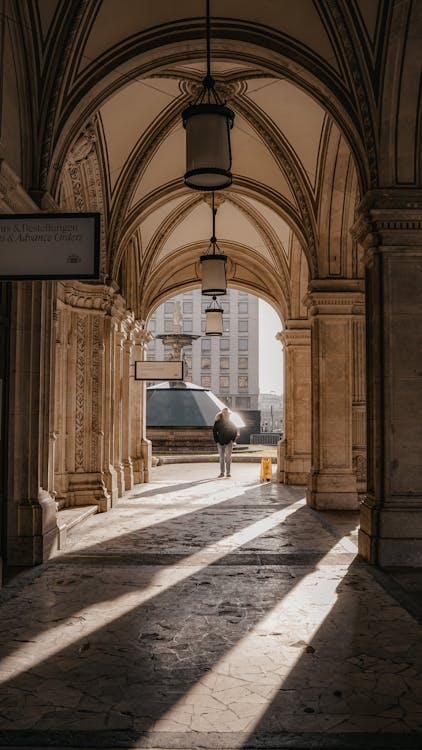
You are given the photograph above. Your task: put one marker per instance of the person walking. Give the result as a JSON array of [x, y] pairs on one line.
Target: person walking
[[225, 433]]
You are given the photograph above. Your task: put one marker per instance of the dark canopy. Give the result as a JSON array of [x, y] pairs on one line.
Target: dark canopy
[[181, 404]]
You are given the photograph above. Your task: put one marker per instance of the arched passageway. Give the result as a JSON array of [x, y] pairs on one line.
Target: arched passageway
[[325, 140]]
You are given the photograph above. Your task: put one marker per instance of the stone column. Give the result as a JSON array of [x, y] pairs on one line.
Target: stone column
[[80, 397], [141, 446], [110, 474], [294, 450], [31, 508], [333, 306], [359, 401], [390, 229], [117, 411], [127, 410]]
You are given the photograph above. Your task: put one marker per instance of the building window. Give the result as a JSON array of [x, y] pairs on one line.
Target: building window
[[226, 325], [206, 381], [243, 402], [242, 345], [242, 363], [203, 323], [187, 307], [187, 325], [224, 382], [242, 326], [168, 325], [205, 345], [168, 307], [224, 363], [151, 325], [224, 345], [242, 307], [205, 363], [243, 382]]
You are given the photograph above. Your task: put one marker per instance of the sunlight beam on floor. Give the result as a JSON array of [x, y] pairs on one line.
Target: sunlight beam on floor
[[84, 623], [238, 691]]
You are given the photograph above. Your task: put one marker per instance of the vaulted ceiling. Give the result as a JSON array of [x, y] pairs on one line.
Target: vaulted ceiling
[[107, 81]]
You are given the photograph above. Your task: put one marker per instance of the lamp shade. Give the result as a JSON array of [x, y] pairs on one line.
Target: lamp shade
[[213, 273], [208, 152], [214, 321]]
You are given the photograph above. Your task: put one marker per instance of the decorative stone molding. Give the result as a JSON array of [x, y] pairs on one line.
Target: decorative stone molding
[[13, 197], [388, 219], [91, 297], [336, 303]]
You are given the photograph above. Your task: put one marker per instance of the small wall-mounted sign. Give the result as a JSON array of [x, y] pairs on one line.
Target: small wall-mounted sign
[[49, 246], [160, 370]]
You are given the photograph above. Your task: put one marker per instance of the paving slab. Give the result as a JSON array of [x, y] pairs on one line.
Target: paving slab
[[209, 613]]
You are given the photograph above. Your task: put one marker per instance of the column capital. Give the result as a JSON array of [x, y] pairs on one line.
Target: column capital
[[142, 336], [336, 297], [389, 219], [294, 337]]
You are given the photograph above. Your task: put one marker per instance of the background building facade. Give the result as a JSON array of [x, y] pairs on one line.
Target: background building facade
[[227, 364]]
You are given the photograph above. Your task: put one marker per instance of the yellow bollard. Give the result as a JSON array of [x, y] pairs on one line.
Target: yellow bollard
[[266, 470]]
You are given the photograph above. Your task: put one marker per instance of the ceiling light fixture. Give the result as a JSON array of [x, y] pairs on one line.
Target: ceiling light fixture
[[208, 122], [213, 265], [214, 319]]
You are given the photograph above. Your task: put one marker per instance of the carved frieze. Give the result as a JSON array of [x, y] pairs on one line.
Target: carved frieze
[[81, 329]]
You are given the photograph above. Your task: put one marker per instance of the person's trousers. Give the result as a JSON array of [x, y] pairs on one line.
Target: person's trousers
[[225, 452]]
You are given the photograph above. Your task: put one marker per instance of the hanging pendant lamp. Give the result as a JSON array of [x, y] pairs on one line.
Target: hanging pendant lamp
[[213, 265], [214, 319], [208, 122]]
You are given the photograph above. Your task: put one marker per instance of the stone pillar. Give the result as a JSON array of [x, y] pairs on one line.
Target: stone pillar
[[359, 401], [294, 450], [141, 446], [333, 306], [80, 394], [117, 411], [390, 229], [31, 508], [126, 412], [110, 474]]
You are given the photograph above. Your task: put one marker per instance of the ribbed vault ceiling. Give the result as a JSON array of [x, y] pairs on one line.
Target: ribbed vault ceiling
[[128, 71]]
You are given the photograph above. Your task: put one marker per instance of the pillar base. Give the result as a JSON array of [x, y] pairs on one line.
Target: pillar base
[[36, 538], [146, 449], [128, 472], [88, 489], [138, 469], [332, 492], [110, 480], [292, 469], [391, 536]]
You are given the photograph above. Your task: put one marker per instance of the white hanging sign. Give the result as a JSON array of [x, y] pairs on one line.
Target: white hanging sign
[[168, 369], [49, 246]]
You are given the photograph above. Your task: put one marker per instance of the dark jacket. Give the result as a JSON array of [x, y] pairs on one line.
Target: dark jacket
[[224, 430]]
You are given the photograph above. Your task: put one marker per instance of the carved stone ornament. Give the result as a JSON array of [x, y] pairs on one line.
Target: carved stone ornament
[[83, 146]]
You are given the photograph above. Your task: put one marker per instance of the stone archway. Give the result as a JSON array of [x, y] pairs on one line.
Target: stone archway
[[318, 106]]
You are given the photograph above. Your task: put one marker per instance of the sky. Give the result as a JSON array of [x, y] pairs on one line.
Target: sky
[[270, 350]]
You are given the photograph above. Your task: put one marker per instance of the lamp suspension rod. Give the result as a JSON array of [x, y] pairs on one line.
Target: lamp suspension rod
[[208, 40], [214, 211]]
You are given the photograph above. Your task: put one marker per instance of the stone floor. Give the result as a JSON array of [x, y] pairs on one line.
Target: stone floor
[[211, 613]]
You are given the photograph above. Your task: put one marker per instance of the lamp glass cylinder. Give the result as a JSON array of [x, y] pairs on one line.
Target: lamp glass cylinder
[[214, 321], [213, 274], [208, 152]]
